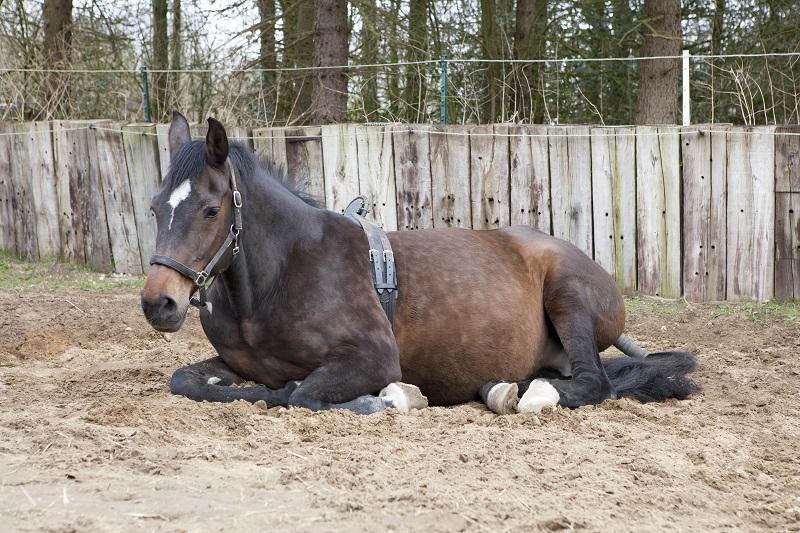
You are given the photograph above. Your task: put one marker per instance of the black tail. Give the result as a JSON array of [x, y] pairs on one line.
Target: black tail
[[659, 376]]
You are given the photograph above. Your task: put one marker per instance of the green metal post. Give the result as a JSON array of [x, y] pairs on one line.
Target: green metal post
[[444, 90], [148, 116]]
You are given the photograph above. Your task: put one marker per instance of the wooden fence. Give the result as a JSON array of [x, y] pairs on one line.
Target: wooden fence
[[705, 211]]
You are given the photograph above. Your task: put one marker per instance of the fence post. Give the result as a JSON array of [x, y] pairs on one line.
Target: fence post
[[147, 114], [443, 118], [687, 117]]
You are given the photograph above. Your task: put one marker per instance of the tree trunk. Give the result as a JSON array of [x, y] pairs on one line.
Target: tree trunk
[[490, 40], [416, 86], [329, 102], [159, 104], [57, 16], [267, 57], [658, 78], [176, 57], [529, 36]]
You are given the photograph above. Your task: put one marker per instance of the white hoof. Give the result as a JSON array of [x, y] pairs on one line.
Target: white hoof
[[539, 395], [404, 396], [502, 398]]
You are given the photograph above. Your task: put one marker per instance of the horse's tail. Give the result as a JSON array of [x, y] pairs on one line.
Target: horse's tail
[[653, 378]]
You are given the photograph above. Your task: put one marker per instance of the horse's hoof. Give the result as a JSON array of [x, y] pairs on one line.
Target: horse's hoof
[[539, 395], [404, 396], [503, 398]]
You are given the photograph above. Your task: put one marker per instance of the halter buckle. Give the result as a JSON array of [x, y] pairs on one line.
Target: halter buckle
[[201, 279], [237, 199]]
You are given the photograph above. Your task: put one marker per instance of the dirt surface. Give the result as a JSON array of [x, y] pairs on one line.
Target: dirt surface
[[91, 439]]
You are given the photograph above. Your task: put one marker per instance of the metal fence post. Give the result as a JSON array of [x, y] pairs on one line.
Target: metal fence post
[[687, 116], [148, 116], [444, 90]]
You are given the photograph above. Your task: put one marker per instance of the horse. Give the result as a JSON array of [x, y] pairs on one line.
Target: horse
[[514, 317]]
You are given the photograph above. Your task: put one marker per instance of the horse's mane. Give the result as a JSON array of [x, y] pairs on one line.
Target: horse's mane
[[191, 159]]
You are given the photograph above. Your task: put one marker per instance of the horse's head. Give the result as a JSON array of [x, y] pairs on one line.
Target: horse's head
[[198, 224]]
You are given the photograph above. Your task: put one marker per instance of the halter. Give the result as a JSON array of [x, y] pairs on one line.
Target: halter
[[200, 278]]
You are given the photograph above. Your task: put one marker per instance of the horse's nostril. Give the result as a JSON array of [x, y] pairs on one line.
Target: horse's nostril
[[168, 306]]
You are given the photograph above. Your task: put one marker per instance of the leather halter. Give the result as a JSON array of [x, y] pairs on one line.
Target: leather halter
[[200, 278], [384, 274]]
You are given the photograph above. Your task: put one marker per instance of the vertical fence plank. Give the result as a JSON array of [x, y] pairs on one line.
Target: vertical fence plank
[[614, 203], [658, 210], [162, 141], [571, 185], [121, 220], [43, 187], [304, 160], [8, 226], [529, 177], [270, 144], [93, 205], [412, 164], [489, 177], [696, 158], [144, 175], [787, 212], [26, 237], [71, 159], [704, 212], [376, 176], [751, 214], [340, 164], [450, 176]]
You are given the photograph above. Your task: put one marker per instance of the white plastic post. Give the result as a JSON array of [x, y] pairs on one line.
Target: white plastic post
[[687, 117]]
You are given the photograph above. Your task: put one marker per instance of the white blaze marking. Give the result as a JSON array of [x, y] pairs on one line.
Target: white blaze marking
[[180, 194], [539, 395]]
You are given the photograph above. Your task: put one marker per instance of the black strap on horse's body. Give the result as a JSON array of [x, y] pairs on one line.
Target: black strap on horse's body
[[200, 278], [384, 274]]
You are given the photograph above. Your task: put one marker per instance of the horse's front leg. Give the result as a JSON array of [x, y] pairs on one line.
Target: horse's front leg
[[211, 380], [349, 380]]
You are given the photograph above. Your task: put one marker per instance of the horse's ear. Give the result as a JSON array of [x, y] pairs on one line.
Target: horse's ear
[[216, 142], [179, 133]]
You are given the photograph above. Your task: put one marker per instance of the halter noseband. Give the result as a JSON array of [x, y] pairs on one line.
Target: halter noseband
[[200, 278]]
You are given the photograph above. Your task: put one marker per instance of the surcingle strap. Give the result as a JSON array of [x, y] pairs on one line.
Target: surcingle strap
[[384, 274]]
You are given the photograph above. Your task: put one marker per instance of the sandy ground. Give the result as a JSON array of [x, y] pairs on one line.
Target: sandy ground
[[91, 439]]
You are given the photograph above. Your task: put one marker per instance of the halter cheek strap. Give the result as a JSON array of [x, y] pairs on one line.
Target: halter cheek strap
[[200, 279]]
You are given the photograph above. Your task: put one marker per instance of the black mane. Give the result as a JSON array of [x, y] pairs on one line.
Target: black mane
[[191, 159]]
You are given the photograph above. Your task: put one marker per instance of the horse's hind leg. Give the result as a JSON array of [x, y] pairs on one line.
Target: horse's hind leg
[[569, 310], [211, 380]]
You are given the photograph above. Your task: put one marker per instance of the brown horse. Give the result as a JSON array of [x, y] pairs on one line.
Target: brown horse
[[512, 316]]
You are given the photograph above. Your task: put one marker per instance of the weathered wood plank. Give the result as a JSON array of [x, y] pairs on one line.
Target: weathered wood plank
[[340, 166], [412, 169], [614, 203], [43, 187], [24, 218], [71, 159], [450, 176], [8, 226], [93, 206], [270, 144], [658, 210], [489, 177], [144, 176], [376, 175], [571, 185], [787, 158], [787, 204], [121, 220], [530, 177], [787, 241], [304, 160], [704, 212], [751, 214]]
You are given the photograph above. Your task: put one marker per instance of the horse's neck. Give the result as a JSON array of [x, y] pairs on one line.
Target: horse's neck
[[274, 221]]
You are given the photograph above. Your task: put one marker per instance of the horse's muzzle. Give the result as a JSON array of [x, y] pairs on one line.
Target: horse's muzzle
[[163, 313]]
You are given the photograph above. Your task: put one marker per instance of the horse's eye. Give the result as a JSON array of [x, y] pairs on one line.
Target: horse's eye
[[212, 212]]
